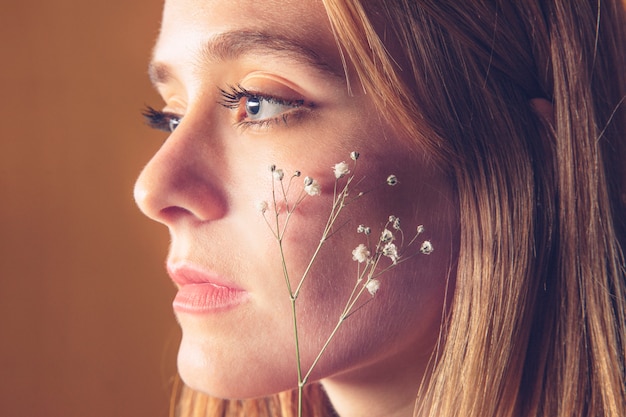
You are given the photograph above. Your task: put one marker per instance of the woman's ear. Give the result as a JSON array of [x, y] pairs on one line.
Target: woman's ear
[[544, 109]]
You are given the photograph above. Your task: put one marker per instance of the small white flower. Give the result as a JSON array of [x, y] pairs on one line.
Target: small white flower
[[354, 155], [360, 253], [386, 236], [395, 222], [297, 174], [391, 251], [392, 180], [420, 229], [262, 206], [363, 229], [427, 247], [278, 174], [372, 286], [341, 169], [312, 187]]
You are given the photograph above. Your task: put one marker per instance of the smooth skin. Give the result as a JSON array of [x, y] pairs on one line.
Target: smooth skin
[[207, 179]]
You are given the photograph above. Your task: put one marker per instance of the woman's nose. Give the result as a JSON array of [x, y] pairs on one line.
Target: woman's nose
[[181, 180]]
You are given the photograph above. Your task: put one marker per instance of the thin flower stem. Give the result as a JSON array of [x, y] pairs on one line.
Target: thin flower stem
[[390, 267], [321, 352], [370, 275], [359, 307], [402, 238], [298, 359], [350, 309], [334, 213], [336, 229], [280, 243], [359, 279], [413, 240], [279, 234], [308, 268], [347, 312], [271, 228], [284, 264], [344, 315], [284, 192], [289, 184]]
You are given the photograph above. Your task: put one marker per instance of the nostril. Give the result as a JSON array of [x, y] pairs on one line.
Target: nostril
[[170, 214]]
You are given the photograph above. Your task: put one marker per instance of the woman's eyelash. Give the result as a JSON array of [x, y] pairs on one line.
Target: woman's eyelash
[[231, 98], [160, 120]]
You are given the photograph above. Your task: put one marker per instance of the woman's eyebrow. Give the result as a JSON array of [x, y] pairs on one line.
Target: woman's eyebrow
[[231, 45]]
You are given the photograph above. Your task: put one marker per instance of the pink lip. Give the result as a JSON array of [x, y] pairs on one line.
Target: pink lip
[[201, 292]]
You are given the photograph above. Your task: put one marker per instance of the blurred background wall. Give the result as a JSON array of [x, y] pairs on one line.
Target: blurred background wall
[[86, 327]]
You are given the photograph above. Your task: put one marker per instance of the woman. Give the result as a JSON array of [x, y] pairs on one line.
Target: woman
[[504, 124]]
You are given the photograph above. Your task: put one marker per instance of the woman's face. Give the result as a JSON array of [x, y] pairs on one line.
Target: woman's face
[[260, 83]]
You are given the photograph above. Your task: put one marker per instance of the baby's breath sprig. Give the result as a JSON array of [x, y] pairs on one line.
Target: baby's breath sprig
[[370, 256], [390, 245]]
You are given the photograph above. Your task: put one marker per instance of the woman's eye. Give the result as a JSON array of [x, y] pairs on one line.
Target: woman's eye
[[257, 108], [167, 122]]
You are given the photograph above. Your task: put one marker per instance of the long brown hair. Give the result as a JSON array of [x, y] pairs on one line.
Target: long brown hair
[[538, 321]]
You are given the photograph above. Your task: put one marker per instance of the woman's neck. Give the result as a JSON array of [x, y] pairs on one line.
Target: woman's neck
[[381, 390]]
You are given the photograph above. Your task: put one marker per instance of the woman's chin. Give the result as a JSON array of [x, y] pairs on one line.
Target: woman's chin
[[225, 377]]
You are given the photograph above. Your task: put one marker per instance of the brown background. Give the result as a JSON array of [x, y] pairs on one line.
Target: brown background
[[86, 327]]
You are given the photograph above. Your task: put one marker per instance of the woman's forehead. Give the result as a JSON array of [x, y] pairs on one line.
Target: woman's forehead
[[223, 30], [280, 16]]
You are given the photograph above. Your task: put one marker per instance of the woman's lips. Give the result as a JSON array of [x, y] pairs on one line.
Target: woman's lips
[[201, 292]]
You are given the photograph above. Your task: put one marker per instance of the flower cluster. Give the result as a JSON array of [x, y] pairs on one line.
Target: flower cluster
[[370, 256], [386, 247]]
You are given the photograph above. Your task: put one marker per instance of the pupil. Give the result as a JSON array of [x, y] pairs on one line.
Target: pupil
[[253, 105]]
